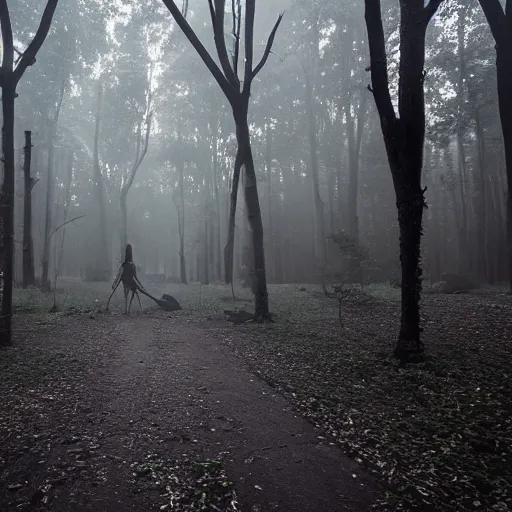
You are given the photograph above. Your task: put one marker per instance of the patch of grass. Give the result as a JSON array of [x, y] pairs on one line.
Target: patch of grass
[[71, 298], [77, 297]]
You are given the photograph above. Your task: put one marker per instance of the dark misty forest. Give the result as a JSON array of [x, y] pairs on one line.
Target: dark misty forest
[[256, 255]]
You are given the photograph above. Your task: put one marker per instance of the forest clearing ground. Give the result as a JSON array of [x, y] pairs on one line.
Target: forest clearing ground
[[104, 412], [438, 434]]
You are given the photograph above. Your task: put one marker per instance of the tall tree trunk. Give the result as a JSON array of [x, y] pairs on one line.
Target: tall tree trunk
[[270, 232], [211, 249], [7, 203], [206, 263], [207, 242], [320, 247], [492, 228], [461, 127], [45, 283], [278, 242], [354, 138], [238, 96], [504, 72], [29, 278], [67, 202], [504, 68], [50, 189], [500, 23], [404, 137], [181, 221], [10, 75], [102, 251], [230, 245], [218, 237], [498, 199], [310, 76], [481, 206], [124, 219], [331, 183], [142, 149], [339, 159], [410, 203], [261, 311]]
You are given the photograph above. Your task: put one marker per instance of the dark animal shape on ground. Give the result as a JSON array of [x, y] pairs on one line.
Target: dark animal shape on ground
[[167, 303], [174, 305]]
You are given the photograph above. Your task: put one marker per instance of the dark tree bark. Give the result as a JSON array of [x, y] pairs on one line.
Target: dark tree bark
[[29, 278], [181, 218], [10, 76], [404, 137], [238, 95], [500, 23], [233, 199]]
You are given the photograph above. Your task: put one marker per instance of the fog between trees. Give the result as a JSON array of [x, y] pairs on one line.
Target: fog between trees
[[132, 134]]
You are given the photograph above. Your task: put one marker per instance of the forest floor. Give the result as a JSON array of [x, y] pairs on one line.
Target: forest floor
[[164, 411]]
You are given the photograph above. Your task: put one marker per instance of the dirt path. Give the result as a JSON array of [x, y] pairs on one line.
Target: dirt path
[[128, 388]]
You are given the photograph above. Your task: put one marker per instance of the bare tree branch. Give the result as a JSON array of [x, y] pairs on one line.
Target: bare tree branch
[[65, 223], [220, 43], [250, 10], [496, 18], [268, 48], [378, 60], [146, 139], [227, 88], [7, 44], [29, 55], [142, 149], [237, 24], [431, 9], [212, 12], [139, 143]]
